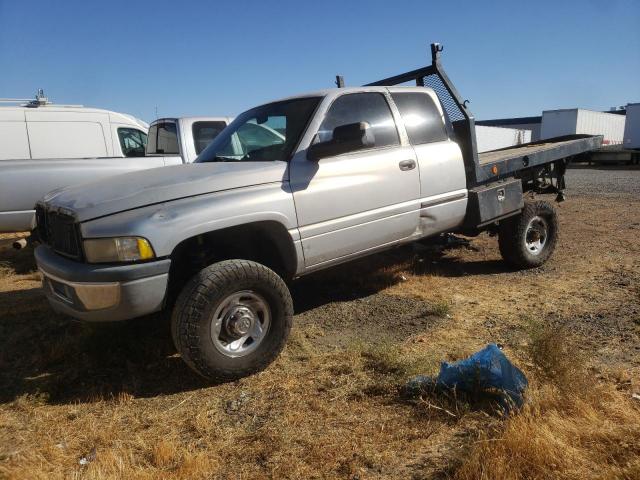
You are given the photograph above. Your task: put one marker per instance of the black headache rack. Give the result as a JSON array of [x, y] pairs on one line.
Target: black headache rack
[[498, 164]]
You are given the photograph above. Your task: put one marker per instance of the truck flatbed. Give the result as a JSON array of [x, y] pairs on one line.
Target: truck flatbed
[[512, 159], [528, 149]]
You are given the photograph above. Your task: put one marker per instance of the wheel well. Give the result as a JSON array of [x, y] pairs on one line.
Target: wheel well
[[268, 243]]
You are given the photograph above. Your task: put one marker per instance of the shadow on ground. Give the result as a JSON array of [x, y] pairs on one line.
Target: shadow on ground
[[369, 275], [45, 353], [19, 262]]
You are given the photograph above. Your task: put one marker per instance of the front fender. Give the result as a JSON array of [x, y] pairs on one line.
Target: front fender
[[165, 225]]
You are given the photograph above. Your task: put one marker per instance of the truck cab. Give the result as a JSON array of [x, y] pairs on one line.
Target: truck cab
[[406, 180]]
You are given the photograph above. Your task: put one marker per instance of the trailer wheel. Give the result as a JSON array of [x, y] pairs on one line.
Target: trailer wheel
[[528, 240], [232, 319]]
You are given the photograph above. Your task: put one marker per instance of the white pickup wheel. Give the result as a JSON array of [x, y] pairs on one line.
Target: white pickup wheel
[[528, 240], [232, 319]]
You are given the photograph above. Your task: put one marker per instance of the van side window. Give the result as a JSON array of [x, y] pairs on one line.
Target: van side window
[[361, 107], [421, 117], [132, 141], [163, 139], [204, 133]]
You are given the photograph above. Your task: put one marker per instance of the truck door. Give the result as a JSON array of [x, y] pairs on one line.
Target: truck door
[[443, 185], [361, 199]]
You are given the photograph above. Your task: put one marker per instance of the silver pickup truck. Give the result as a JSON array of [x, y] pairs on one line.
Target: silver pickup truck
[[172, 141], [352, 171]]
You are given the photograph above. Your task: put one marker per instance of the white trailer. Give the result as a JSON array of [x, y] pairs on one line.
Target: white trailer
[[519, 123], [494, 138], [557, 123], [632, 127]]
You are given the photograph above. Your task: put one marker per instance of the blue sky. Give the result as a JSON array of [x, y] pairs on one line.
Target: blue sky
[[510, 58]]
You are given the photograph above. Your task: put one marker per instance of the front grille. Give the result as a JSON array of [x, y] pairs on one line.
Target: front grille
[[59, 231]]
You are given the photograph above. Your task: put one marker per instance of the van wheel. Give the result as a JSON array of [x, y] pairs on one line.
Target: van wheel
[[232, 319], [527, 240]]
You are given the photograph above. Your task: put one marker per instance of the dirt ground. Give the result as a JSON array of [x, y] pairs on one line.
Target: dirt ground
[[119, 399]]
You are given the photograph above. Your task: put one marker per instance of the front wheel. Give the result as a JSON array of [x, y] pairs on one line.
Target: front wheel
[[527, 240], [232, 319]]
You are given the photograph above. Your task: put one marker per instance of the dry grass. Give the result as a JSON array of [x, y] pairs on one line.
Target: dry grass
[[571, 426], [330, 406], [267, 426]]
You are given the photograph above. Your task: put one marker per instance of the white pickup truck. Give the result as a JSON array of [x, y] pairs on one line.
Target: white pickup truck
[[181, 140], [288, 188], [45, 147]]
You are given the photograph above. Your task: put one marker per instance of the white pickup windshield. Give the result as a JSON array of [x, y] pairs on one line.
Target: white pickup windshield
[[265, 133]]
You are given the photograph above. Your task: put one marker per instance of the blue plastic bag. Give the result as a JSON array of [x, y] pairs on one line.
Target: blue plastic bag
[[488, 369]]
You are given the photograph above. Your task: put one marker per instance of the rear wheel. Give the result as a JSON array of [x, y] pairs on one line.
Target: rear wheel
[[528, 240], [232, 319]]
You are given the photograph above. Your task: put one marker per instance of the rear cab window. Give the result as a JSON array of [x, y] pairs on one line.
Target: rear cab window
[[204, 132], [421, 117], [133, 142], [163, 139]]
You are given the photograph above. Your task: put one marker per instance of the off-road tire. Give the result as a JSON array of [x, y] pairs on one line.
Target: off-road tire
[[191, 319], [512, 236]]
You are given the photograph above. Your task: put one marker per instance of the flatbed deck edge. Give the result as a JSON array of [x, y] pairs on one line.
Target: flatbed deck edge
[[520, 157]]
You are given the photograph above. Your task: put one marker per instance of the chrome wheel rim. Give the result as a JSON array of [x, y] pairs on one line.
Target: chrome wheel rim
[[536, 235], [240, 323]]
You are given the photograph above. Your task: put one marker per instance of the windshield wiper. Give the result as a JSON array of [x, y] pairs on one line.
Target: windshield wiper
[[223, 159]]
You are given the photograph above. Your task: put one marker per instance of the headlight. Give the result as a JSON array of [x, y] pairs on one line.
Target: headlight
[[119, 249]]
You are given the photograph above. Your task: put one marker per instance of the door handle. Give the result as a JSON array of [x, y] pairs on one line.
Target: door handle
[[407, 165]]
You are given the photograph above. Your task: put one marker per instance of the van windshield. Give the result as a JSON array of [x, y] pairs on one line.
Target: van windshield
[[266, 133]]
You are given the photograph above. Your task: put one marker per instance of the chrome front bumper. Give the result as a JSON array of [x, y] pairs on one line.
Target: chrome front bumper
[[89, 296], [102, 292]]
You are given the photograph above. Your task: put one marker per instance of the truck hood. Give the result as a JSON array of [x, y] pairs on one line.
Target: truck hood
[[158, 185]]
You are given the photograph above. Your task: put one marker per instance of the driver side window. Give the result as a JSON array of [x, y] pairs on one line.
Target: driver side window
[[361, 107]]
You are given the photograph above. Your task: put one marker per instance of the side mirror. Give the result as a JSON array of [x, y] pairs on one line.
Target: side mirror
[[346, 138]]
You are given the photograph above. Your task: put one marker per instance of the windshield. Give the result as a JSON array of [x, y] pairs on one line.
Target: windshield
[[265, 133]]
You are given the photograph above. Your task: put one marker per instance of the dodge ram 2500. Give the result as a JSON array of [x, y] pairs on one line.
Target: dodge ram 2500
[[350, 172]]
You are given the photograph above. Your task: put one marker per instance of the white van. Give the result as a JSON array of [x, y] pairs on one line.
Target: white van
[[44, 147], [41, 130]]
